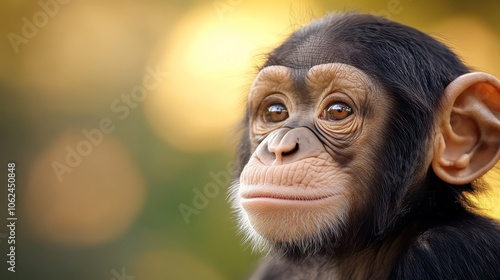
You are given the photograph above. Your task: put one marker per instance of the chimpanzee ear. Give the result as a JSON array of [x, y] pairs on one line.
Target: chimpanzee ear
[[467, 143]]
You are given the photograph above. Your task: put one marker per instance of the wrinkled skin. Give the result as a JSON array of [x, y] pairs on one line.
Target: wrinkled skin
[[300, 180]]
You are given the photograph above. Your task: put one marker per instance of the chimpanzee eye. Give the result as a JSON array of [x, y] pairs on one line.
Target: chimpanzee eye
[[276, 113], [336, 111]]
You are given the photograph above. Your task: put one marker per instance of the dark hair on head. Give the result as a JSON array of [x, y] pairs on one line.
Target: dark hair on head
[[413, 68]]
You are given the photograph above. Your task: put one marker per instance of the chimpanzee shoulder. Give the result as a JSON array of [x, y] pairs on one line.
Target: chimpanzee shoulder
[[466, 248]]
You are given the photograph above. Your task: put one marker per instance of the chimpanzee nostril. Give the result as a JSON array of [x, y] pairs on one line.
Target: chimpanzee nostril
[[295, 148], [288, 145]]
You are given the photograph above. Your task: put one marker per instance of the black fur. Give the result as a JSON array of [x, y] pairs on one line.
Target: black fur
[[444, 239]]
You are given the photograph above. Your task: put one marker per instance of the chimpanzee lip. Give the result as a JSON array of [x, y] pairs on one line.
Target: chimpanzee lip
[[279, 196]]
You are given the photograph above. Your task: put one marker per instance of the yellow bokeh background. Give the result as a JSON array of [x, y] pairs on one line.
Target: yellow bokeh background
[[105, 161]]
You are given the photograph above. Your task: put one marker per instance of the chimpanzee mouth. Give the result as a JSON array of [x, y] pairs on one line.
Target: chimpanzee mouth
[[280, 196]]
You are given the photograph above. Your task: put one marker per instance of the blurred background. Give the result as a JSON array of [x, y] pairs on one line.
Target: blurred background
[[121, 115]]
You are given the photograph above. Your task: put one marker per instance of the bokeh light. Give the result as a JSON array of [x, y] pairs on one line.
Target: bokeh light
[[210, 56], [87, 45], [94, 198]]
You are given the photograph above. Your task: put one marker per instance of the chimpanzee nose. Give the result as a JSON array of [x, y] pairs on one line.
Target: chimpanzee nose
[[283, 147], [287, 145]]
